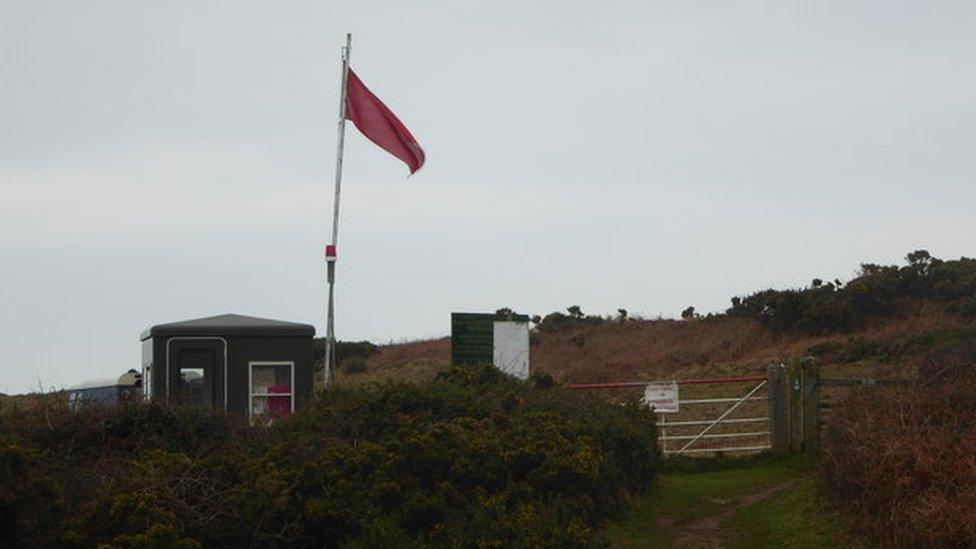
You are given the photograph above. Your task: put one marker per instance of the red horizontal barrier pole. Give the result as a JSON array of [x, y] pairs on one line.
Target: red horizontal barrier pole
[[708, 381], [618, 385], [695, 381]]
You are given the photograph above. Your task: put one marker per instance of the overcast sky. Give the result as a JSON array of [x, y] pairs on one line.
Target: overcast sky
[[161, 161]]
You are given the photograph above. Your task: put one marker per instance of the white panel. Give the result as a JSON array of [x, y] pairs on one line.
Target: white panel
[[512, 348], [662, 396]]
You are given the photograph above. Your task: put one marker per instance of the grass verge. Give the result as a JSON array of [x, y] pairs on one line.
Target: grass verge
[[794, 518]]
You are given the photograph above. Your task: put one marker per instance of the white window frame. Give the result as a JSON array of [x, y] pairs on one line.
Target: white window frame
[[147, 369], [147, 382], [250, 383]]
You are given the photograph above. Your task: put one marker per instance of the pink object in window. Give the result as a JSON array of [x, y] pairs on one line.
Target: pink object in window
[[279, 405]]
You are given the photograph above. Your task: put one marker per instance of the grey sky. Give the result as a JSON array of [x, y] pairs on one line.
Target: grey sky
[[169, 160]]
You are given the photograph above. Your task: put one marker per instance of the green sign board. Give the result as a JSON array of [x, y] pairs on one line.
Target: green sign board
[[473, 336]]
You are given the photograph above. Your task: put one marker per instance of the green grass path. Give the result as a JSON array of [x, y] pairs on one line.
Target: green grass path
[[762, 502]]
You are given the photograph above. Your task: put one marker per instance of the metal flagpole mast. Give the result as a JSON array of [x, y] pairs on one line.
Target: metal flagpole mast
[[330, 253]]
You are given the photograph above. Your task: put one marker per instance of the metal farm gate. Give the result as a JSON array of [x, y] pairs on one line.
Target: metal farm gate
[[782, 411], [720, 415]]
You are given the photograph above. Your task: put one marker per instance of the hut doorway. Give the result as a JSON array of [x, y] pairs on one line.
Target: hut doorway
[[196, 367], [197, 370]]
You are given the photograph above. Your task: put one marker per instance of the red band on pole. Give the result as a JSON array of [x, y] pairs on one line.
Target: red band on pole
[[694, 381]]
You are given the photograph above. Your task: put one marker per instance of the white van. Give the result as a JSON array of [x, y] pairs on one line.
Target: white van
[[106, 391]]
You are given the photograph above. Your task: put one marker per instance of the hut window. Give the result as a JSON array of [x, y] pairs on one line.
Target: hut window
[[272, 389], [192, 387]]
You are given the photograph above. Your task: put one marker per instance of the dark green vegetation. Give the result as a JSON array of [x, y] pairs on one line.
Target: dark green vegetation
[[755, 502], [879, 292], [470, 458], [557, 321], [346, 350]]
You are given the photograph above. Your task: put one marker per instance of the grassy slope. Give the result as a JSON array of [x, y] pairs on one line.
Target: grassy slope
[[662, 349], [760, 503]]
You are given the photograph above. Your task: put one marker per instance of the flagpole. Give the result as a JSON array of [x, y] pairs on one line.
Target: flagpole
[[330, 254]]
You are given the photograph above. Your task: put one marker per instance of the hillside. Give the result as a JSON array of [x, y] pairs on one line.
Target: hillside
[[885, 319], [665, 349]]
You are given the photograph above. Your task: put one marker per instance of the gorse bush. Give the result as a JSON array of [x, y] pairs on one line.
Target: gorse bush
[[557, 321], [879, 292], [345, 350], [472, 458]]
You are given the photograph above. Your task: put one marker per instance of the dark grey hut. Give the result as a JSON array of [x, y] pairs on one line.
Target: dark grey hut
[[245, 365]]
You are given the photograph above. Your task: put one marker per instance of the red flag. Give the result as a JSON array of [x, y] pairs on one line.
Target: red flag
[[378, 123]]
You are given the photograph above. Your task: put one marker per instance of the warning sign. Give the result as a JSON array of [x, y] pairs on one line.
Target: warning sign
[[662, 396]]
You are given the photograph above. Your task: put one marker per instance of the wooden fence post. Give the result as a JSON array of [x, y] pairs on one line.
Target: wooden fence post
[[779, 419], [811, 406]]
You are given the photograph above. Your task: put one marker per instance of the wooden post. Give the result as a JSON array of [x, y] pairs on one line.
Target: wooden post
[[811, 406], [664, 433], [779, 419]]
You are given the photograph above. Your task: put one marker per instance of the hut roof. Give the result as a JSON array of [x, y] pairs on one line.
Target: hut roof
[[230, 325]]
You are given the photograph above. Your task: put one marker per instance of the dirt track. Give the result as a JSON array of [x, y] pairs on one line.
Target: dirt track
[[706, 531]]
